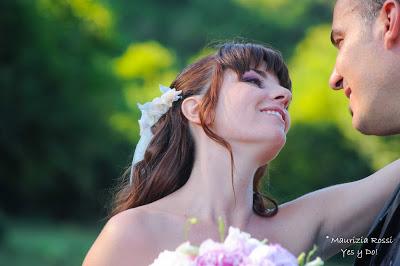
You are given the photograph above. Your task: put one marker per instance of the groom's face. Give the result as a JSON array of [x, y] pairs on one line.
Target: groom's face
[[363, 68]]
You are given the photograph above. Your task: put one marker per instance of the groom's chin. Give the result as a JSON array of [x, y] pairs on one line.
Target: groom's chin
[[369, 126], [361, 124]]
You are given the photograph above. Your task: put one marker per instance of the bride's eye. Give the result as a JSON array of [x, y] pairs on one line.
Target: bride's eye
[[253, 80]]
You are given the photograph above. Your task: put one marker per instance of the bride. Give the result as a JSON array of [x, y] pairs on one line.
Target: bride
[[215, 132]]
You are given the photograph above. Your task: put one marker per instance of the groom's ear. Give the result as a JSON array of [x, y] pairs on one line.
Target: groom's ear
[[390, 14], [190, 108]]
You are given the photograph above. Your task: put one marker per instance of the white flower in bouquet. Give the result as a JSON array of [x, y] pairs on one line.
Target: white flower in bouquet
[[274, 254], [171, 258], [241, 240]]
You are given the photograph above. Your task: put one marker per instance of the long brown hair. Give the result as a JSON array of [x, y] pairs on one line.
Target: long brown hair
[[169, 158]]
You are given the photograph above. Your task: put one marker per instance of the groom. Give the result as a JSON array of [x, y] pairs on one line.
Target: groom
[[367, 36]]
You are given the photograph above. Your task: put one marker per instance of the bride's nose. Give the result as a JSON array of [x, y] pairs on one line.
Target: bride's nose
[[282, 95]]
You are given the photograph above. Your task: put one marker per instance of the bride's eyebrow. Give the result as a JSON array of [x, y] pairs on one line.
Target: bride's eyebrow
[[261, 73]]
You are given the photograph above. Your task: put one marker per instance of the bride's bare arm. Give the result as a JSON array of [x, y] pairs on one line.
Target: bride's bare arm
[[121, 242], [348, 210]]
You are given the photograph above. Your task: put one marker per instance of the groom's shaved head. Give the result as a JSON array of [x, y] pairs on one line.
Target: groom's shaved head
[[370, 8]]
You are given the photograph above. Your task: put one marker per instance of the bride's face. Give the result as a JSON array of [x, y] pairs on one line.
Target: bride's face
[[253, 108]]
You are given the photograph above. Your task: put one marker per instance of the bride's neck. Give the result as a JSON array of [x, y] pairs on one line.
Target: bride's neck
[[211, 191]]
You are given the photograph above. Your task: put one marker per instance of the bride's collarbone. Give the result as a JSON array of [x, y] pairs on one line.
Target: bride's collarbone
[[173, 227]]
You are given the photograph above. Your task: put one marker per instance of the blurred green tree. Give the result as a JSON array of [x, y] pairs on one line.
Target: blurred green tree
[[315, 156], [142, 67], [188, 26], [58, 93]]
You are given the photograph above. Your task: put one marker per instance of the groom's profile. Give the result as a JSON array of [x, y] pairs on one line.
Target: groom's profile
[[367, 36]]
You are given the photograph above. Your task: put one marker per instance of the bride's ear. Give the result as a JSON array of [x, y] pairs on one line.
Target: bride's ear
[[190, 108]]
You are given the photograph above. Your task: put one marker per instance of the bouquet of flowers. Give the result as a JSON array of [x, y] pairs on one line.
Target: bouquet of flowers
[[238, 249]]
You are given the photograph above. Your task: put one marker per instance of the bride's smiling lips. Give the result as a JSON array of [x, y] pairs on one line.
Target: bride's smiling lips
[[274, 109]]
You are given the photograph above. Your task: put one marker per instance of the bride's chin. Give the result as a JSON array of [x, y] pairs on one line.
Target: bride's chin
[[278, 139], [271, 152]]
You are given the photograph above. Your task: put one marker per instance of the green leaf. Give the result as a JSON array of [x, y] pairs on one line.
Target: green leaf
[[311, 253], [301, 258], [221, 228]]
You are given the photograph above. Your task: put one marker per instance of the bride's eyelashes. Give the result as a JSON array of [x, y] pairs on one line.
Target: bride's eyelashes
[[252, 79]]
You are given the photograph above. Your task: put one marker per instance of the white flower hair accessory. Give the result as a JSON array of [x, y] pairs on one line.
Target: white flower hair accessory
[[151, 113]]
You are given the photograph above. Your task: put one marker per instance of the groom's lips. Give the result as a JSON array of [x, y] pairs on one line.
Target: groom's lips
[[351, 111], [347, 92]]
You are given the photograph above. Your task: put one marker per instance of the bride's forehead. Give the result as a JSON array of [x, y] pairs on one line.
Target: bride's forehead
[[229, 75]]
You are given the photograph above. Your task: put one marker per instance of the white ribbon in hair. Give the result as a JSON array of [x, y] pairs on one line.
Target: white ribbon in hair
[[151, 113]]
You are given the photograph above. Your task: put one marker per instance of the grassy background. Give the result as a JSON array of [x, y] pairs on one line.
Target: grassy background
[[41, 243]]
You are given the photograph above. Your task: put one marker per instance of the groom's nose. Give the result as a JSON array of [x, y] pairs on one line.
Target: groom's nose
[[336, 80]]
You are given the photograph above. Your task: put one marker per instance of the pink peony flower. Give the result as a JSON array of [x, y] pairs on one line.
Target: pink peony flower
[[221, 258]]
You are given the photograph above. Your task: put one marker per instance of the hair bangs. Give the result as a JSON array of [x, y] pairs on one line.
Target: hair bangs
[[243, 57]]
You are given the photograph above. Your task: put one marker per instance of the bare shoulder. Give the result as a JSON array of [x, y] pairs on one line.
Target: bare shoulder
[[308, 209], [301, 206], [296, 225], [124, 240]]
